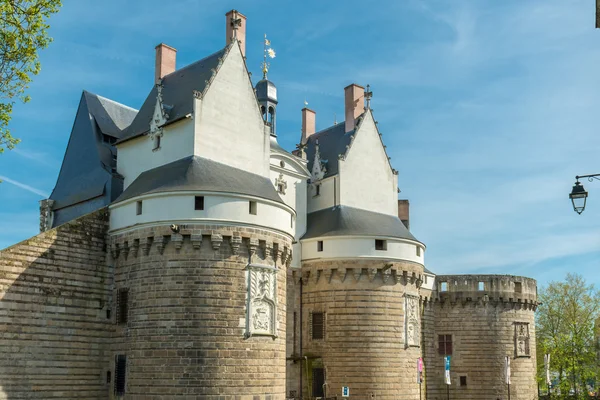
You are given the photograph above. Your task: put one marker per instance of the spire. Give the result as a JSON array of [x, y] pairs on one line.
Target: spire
[[318, 169], [368, 95]]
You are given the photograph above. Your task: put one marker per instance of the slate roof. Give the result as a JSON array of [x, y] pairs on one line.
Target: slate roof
[[350, 221], [178, 93], [276, 147], [332, 143], [200, 174], [86, 170], [112, 117]]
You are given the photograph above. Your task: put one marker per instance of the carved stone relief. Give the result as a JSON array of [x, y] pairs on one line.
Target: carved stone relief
[[412, 332], [522, 339], [262, 300]]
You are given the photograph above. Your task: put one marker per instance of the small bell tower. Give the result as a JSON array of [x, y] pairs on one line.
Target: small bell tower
[[266, 91]]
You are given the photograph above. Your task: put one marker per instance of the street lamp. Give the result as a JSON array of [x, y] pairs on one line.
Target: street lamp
[[578, 195]]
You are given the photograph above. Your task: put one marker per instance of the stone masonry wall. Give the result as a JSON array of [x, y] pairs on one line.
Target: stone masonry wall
[[187, 331], [54, 290], [365, 345], [485, 323]]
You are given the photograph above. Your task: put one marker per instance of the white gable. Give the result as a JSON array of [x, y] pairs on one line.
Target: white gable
[[366, 177], [228, 126]]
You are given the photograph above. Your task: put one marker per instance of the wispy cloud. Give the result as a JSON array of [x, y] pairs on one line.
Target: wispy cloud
[[37, 156], [24, 186]]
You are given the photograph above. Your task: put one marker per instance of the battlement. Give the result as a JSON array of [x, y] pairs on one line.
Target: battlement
[[233, 241], [486, 288], [351, 271]]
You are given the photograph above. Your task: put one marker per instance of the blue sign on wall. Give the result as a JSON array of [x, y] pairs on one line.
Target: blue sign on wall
[[345, 391]]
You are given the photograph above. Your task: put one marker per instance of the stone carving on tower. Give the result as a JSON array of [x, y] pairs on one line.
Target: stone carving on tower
[[262, 300], [522, 339], [160, 116], [412, 332], [280, 184]]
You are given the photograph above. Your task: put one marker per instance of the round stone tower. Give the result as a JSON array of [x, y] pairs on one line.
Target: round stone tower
[[360, 297], [479, 320], [199, 252]]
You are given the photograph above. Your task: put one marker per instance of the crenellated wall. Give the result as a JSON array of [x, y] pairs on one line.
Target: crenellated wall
[[372, 326], [206, 312], [488, 317]]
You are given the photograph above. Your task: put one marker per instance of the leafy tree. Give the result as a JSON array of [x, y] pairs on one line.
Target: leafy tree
[[23, 31], [566, 330]]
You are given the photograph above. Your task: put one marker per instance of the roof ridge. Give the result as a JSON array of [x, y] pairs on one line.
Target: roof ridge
[[195, 62], [87, 92]]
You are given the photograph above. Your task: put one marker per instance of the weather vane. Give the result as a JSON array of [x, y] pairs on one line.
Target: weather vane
[[268, 52]]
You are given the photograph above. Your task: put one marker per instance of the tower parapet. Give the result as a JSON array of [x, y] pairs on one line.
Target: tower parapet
[[486, 289], [479, 320]]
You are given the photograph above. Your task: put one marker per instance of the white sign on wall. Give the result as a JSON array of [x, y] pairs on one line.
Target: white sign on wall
[[345, 391]]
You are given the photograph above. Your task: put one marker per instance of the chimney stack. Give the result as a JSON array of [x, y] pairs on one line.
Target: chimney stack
[[308, 124], [403, 213], [235, 18], [355, 104], [165, 61]]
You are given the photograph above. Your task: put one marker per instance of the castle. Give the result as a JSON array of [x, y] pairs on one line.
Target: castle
[[184, 254]]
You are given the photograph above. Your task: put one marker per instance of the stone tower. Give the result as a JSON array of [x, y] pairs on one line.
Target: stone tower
[[479, 320], [200, 240]]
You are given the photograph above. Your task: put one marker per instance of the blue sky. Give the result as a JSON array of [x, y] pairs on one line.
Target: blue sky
[[486, 108]]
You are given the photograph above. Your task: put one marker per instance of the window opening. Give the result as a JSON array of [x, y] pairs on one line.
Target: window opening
[[481, 286], [199, 203], [380, 244], [445, 345], [463, 381], [122, 306], [518, 287], [444, 286], [138, 208], [318, 325], [320, 245], [120, 374], [252, 207]]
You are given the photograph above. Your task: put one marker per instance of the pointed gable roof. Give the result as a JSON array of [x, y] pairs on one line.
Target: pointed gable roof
[[333, 142], [88, 161], [177, 93], [112, 117]]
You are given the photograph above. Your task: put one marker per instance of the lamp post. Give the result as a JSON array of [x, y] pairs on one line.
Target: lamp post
[[578, 195]]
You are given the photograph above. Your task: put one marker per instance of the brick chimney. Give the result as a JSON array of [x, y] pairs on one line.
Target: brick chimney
[[355, 104], [165, 61], [403, 213], [236, 17], [308, 123]]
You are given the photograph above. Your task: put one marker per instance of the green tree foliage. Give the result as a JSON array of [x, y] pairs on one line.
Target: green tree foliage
[[23, 31], [566, 330]]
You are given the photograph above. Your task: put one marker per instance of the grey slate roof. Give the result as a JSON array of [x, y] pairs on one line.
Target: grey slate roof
[[112, 117], [350, 221], [200, 174], [332, 143], [178, 93], [86, 172], [276, 147]]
